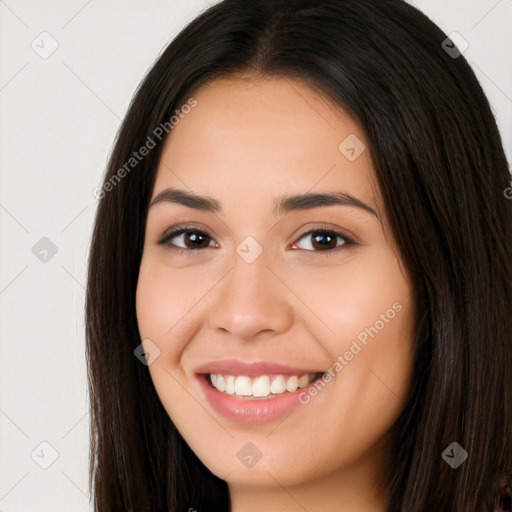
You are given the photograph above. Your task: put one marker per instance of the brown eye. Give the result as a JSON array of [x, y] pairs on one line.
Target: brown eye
[[189, 239], [325, 240]]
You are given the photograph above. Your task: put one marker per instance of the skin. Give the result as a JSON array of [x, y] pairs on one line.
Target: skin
[[248, 141]]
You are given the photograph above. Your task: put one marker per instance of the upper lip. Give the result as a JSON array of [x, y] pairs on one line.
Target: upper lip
[[251, 368]]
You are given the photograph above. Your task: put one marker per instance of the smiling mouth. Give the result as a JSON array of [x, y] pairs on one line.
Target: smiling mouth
[[261, 387]]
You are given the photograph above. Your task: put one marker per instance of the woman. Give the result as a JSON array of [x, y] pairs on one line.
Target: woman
[[299, 288]]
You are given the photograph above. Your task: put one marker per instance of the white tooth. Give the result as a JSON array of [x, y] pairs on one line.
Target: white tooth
[[220, 384], [291, 383], [261, 386], [213, 379], [230, 384], [243, 386], [278, 385], [303, 381]]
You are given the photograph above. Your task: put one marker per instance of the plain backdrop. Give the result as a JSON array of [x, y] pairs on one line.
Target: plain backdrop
[[68, 71]]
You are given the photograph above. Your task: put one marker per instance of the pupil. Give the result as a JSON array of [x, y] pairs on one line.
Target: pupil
[[195, 238], [322, 235]]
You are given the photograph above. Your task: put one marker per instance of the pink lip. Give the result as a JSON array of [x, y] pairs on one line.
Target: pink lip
[[251, 369], [245, 409]]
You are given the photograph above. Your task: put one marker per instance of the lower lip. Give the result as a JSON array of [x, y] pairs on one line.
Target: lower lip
[[245, 410]]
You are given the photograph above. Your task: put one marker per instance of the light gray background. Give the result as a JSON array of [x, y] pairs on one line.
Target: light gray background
[[60, 115]]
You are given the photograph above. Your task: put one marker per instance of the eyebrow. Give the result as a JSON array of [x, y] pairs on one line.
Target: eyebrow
[[282, 205]]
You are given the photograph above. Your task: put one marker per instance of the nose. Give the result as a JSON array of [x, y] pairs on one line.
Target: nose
[[251, 299]]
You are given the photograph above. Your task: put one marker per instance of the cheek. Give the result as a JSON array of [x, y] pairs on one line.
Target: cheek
[[364, 318], [365, 291], [165, 299], [156, 305], [164, 306]]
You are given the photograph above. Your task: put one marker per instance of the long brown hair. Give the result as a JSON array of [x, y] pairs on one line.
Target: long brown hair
[[442, 172]]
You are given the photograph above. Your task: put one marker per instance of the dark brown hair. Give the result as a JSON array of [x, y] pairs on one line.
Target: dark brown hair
[[440, 165]]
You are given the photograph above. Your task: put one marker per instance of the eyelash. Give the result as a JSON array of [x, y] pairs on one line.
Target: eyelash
[[173, 232]]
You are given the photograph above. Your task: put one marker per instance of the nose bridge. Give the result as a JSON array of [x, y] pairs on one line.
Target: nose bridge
[[250, 298]]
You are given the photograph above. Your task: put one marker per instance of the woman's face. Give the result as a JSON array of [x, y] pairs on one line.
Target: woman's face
[[270, 272]]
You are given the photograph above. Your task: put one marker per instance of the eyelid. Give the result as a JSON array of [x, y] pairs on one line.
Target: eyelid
[[338, 234], [322, 226], [180, 229]]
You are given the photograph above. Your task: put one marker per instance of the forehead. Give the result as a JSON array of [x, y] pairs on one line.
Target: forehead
[[265, 136]]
